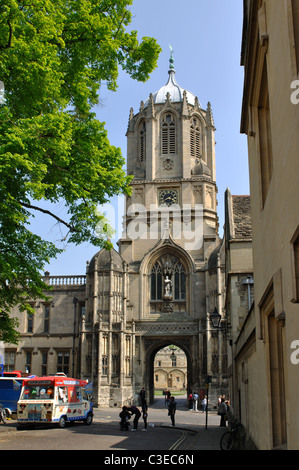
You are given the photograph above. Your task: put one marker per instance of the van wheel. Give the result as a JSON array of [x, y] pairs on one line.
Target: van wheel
[[88, 419], [62, 422]]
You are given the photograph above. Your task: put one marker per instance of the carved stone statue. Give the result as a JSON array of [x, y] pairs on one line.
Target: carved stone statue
[[167, 288]]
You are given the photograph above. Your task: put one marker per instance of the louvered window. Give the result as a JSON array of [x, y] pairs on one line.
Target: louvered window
[[142, 142], [168, 134], [195, 138]]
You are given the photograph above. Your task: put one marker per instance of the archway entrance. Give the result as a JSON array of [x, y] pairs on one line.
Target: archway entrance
[[170, 370], [163, 367]]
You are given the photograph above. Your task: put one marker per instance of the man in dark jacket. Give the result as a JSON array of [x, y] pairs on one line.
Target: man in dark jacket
[[135, 411], [124, 419], [172, 410]]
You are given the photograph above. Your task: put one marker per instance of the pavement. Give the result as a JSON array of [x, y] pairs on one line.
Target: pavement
[[204, 430]]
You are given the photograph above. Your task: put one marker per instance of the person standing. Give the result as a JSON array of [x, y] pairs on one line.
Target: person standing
[[172, 410], [222, 412], [142, 395]]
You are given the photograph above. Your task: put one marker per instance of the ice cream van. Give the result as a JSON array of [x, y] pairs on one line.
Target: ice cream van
[[53, 399]]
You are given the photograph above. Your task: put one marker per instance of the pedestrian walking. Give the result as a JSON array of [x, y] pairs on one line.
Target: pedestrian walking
[[222, 412], [124, 419], [195, 399], [144, 415], [172, 410], [136, 412], [204, 404]]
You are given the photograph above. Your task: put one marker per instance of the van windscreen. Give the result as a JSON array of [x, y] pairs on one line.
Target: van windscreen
[[38, 391]]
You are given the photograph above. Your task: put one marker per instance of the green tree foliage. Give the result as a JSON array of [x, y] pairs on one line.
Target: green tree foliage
[[54, 54]]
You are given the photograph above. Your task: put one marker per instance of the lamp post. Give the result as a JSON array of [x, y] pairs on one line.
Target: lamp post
[[75, 301], [215, 319], [208, 381]]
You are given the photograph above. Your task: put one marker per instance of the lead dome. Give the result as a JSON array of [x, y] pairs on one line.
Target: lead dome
[[176, 92]]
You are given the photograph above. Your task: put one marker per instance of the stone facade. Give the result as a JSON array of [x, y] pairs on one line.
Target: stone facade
[[167, 276], [170, 369], [239, 299], [267, 346]]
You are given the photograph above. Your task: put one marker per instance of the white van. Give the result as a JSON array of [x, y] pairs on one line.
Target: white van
[[53, 399]]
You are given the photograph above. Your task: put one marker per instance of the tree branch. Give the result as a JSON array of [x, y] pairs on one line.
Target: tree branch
[[8, 45], [45, 211]]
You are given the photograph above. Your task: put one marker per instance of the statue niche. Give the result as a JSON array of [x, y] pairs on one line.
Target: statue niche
[[168, 283]]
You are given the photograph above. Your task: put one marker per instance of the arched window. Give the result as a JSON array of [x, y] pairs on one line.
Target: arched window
[[195, 138], [168, 269], [179, 282], [156, 282], [142, 142], [168, 128]]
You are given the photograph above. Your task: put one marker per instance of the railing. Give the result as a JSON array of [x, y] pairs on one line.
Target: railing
[[79, 280]]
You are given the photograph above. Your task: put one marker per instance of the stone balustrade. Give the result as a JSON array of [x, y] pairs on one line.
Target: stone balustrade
[[79, 280]]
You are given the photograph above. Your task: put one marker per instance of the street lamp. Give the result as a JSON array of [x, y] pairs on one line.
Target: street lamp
[[215, 318]]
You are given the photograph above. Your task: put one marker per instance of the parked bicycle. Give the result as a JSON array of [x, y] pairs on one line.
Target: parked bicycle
[[2, 414], [229, 438]]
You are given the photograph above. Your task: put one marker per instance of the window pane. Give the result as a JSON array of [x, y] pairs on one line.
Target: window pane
[[153, 286], [177, 286], [183, 286], [159, 286]]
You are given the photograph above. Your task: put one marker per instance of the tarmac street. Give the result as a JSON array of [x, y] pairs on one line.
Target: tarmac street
[[188, 435]]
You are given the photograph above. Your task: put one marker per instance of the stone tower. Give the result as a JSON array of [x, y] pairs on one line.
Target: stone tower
[[167, 277]]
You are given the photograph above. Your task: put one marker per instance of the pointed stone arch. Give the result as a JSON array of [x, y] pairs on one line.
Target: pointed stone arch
[[152, 346], [166, 251]]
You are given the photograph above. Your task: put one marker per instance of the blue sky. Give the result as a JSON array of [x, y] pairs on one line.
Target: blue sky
[[206, 38]]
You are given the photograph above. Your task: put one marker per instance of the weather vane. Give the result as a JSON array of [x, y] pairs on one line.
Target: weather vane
[[171, 60]]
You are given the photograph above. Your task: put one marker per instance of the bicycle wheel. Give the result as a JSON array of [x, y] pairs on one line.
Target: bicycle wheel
[[227, 441]]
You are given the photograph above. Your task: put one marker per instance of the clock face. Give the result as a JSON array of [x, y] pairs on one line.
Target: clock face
[[168, 197]]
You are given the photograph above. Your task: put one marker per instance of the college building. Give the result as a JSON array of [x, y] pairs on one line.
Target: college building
[[229, 304], [164, 281], [266, 379]]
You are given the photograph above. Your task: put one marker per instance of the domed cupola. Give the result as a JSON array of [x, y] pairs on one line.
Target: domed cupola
[[105, 260], [172, 90]]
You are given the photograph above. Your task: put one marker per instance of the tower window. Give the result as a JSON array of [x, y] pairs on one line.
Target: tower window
[[195, 138], [156, 282], [176, 272], [168, 134], [179, 282], [142, 142]]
